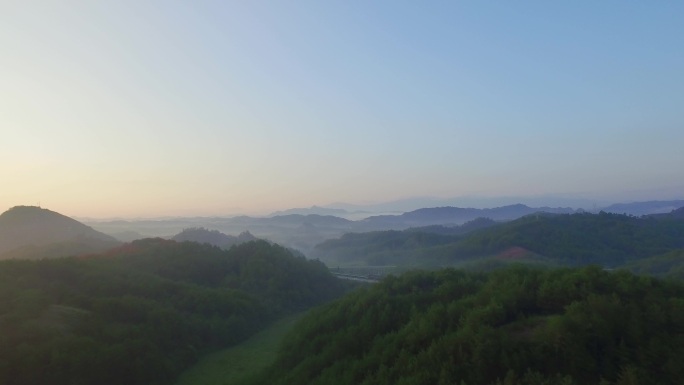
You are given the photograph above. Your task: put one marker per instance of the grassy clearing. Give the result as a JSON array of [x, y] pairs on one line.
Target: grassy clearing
[[237, 364]]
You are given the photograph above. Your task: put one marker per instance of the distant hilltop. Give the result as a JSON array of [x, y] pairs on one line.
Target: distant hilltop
[[313, 210], [34, 232], [644, 208], [213, 237]]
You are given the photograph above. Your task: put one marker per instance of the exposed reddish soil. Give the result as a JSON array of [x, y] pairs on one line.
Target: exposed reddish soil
[[515, 252]]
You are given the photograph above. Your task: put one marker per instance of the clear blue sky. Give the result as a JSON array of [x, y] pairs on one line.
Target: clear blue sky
[[151, 108]]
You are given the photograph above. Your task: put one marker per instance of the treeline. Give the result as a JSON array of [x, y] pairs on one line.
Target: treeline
[[513, 326], [142, 313], [213, 237], [578, 239]]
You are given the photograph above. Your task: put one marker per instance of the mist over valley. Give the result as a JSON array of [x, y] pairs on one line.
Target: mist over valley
[[341, 193]]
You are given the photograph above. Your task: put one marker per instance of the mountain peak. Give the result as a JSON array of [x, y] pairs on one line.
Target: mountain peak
[[35, 227], [27, 210]]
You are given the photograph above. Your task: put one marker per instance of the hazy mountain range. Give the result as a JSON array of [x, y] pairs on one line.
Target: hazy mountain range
[[33, 232], [303, 228], [591, 205], [28, 232], [644, 208], [457, 215], [356, 212], [317, 210], [606, 239]]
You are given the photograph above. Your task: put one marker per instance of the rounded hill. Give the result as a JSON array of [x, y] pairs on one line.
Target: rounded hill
[[29, 231]]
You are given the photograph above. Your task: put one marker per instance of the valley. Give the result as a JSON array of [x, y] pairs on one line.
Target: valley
[[203, 307], [341, 192]]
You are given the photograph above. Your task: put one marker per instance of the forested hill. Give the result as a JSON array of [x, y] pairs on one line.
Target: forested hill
[[668, 265], [605, 239], [142, 313], [674, 214], [577, 239], [34, 232], [213, 237], [514, 326]]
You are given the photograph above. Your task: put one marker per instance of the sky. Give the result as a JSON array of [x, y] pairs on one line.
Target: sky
[[161, 108]]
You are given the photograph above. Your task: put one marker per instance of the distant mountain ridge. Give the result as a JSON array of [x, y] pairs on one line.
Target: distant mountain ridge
[[317, 210], [303, 232], [644, 208], [303, 229], [457, 215], [34, 232], [418, 202]]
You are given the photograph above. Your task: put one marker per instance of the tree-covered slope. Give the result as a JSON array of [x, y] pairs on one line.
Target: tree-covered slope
[[606, 239], [418, 246], [577, 239], [668, 265], [143, 312], [213, 237], [514, 326]]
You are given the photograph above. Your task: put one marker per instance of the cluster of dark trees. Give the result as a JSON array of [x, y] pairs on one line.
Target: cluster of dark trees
[[142, 313], [606, 239], [518, 325], [213, 237]]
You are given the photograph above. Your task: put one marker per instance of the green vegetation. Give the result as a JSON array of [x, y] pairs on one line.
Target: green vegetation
[[578, 239], [669, 265], [145, 312], [213, 237], [513, 326], [238, 364], [142, 313]]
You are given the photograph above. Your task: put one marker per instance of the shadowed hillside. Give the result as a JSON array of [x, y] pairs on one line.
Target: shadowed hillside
[[142, 312], [34, 232], [213, 237]]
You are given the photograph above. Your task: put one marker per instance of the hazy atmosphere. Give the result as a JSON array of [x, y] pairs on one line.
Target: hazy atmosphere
[[156, 108]]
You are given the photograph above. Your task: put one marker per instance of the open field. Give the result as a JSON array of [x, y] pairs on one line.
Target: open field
[[235, 365]]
